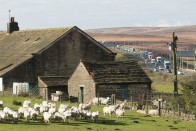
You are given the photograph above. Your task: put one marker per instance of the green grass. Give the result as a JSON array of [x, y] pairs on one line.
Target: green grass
[[131, 121]]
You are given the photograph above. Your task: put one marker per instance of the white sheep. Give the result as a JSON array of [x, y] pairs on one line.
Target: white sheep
[[141, 111], [33, 114], [96, 101], [83, 106], [62, 108], [105, 101], [47, 116], [122, 105], [26, 103], [21, 111], [3, 116], [108, 110], [120, 113], [13, 115], [26, 115], [52, 110], [37, 106], [66, 115], [153, 112], [95, 116], [57, 116]]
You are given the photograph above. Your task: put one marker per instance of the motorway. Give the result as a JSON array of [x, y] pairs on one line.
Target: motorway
[[151, 66]]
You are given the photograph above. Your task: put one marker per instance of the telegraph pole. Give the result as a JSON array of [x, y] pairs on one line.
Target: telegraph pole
[[174, 49]]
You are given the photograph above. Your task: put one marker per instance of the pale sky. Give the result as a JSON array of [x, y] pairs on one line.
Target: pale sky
[[92, 14]]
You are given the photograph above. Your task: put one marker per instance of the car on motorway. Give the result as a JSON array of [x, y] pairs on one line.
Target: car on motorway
[[146, 60], [161, 68]]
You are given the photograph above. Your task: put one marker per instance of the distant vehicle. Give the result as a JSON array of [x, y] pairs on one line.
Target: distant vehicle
[[152, 60], [180, 72], [167, 64], [147, 60], [158, 58], [169, 70], [161, 68]]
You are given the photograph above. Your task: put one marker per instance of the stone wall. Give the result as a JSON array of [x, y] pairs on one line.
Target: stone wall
[[22, 73], [81, 78]]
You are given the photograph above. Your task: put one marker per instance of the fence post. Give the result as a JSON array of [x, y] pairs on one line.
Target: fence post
[[98, 98], [178, 110], [159, 107], [45, 94], [147, 103], [78, 97], [131, 101]]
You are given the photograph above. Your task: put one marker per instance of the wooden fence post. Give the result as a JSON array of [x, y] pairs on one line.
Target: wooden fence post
[[178, 110], [159, 108], [147, 104], [98, 98]]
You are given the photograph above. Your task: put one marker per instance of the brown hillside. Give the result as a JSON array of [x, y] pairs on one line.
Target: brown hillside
[[186, 35]]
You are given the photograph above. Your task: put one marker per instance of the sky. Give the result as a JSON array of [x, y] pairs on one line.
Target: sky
[[93, 14]]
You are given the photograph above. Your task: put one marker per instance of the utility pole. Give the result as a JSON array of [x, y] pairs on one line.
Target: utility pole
[[174, 49]]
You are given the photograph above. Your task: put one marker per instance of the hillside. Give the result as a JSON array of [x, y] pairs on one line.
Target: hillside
[[156, 36]]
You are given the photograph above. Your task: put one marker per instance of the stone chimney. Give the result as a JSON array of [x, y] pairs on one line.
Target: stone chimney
[[12, 26]]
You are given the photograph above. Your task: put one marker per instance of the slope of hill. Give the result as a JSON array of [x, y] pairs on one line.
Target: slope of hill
[[186, 34]]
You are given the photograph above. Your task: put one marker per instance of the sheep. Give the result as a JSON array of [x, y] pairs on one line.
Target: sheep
[[26, 103], [66, 115], [96, 101], [6, 110], [33, 114], [15, 116], [120, 113], [3, 116], [21, 111], [104, 101], [83, 106], [122, 105], [141, 111], [57, 116], [52, 110], [37, 106], [88, 115], [95, 116], [47, 116], [108, 110], [27, 115], [153, 112], [51, 104], [75, 112]]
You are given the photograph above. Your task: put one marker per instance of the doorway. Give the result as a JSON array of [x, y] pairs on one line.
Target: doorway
[[81, 94]]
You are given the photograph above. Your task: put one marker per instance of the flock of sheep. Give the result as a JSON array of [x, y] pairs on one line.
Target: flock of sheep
[[49, 111]]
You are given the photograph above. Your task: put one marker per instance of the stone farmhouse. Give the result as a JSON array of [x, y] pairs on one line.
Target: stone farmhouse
[[46, 58]]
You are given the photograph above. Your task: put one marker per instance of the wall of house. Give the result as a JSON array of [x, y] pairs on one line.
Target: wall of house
[[81, 78], [22, 73], [62, 58], [123, 91]]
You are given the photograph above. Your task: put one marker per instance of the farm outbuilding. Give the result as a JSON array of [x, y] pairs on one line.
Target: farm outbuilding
[[106, 78], [50, 84]]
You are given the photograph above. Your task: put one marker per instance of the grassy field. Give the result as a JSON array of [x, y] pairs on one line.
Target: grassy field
[[131, 121]]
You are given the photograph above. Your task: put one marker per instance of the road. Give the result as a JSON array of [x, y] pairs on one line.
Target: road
[[149, 64]]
